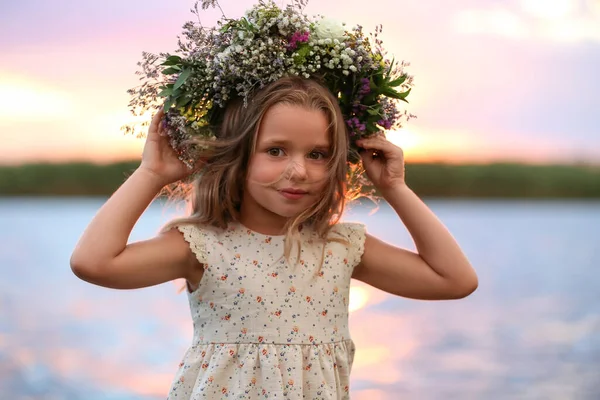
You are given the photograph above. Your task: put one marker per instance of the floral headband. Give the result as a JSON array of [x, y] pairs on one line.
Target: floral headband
[[239, 56]]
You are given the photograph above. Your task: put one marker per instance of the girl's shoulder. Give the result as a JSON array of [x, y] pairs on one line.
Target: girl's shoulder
[[352, 236], [195, 230], [199, 237], [352, 231]]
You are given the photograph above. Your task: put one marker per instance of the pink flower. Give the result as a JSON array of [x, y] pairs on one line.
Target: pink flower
[[297, 37]]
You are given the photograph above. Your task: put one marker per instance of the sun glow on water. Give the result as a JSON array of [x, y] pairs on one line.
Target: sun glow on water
[[358, 298]]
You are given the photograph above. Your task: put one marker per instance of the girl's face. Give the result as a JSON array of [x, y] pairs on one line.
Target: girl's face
[[288, 170]]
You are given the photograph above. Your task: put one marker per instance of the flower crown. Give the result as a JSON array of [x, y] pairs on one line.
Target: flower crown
[[238, 56]]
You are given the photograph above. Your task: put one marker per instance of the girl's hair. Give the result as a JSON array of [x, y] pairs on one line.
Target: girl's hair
[[218, 187]]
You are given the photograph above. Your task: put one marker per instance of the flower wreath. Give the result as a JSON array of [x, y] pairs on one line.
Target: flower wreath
[[239, 56]]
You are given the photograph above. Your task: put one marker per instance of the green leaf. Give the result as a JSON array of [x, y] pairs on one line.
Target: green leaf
[[389, 92], [302, 52], [370, 98], [374, 117], [169, 103], [372, 84], [183, 101], [247, 25], [403, 95], [371, 127], [166, 92], [389, 71], [230, 24], [172, 60], [182, 78], [171, 71], [376, 80], [398, 82], [370, 111]]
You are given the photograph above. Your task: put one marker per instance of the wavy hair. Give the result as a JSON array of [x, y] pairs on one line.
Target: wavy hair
[[218, 187]]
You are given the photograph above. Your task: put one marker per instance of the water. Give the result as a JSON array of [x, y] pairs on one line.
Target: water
[[531, 330]]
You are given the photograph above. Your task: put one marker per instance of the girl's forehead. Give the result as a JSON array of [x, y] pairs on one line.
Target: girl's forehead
[[294, 124]]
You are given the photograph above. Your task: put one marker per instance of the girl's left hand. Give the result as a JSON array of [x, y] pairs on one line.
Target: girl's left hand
[[383, 162]]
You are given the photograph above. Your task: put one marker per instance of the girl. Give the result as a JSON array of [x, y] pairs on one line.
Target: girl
[[267, 265]]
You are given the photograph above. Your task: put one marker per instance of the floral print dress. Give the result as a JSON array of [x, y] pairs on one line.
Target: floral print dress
[[265, 327]]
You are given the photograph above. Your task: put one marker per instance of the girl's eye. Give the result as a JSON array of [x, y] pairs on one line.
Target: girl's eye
[[275, 152], [317, 155]]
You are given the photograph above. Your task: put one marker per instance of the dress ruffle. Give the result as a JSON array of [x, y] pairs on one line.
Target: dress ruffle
[[280, 371]]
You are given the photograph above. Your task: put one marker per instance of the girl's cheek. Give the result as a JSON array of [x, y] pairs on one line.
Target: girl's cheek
[[267, 169], [318, 170]]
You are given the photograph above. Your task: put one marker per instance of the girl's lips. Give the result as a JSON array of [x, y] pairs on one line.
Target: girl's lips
[[293, 194], [294, 191]]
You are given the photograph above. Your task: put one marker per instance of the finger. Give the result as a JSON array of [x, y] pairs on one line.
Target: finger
[[369, 154], [155, 124], [367, 158], [377, 143]]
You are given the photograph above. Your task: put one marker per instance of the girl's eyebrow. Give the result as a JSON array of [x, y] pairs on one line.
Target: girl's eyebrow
[[282, 142], [287, 143]]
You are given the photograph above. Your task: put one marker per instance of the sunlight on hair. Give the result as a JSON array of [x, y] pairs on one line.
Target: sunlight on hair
[[358, 298]]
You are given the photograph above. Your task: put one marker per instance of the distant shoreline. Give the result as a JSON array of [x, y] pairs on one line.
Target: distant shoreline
[[443, 180]]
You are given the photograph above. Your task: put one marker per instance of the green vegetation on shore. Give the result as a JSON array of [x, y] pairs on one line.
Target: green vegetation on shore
[[501, 180]]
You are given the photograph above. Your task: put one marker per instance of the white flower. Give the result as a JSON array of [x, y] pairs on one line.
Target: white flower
[[329, 29]]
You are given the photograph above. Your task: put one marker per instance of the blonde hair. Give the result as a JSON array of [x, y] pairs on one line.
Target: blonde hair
[[218, 187]]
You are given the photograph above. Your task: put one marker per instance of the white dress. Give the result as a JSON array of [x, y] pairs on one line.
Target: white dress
[[263, 327]]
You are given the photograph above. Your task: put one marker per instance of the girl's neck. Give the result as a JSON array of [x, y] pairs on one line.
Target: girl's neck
[[265, 223]]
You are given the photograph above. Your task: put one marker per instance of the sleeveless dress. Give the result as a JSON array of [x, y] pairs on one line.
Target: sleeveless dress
[[265, 328]]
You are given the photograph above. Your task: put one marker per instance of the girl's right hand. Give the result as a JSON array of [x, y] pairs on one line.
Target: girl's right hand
[[158, 156]]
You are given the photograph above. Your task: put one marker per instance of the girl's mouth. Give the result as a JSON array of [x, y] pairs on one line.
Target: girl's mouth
[[292, 193]]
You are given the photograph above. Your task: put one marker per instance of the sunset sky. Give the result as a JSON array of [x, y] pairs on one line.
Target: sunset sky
[[494, 80]]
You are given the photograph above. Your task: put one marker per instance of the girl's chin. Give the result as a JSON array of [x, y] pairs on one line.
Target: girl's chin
[[289, 211]]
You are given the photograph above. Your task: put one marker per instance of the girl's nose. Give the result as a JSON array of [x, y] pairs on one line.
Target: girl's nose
[[296, 169]]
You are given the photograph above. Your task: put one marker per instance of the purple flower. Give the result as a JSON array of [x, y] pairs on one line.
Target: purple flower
[[385, 123], [297, 37], [355, 125], [365, 87]]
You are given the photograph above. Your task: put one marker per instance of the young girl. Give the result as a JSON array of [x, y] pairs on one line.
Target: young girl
[[268, 266]]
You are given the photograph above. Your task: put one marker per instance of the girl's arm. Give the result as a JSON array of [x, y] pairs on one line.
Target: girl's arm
[[440, 270], [102, 255]]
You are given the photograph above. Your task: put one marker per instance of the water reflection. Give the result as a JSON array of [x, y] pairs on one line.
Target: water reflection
[[531, 331]]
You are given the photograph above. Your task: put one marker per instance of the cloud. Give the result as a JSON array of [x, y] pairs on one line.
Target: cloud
[[558, 20], [493, 21], [488, 75]]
